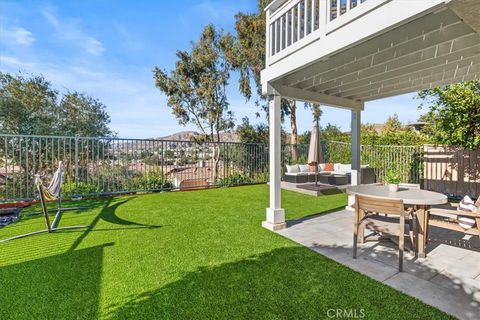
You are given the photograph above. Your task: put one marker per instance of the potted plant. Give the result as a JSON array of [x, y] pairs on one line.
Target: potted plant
[[392, 180]]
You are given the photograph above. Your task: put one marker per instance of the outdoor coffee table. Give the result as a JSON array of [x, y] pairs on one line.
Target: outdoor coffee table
[[334, 179], [419, 200]]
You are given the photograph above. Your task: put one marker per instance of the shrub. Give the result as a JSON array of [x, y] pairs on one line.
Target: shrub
[[234, 179], [155, 181]]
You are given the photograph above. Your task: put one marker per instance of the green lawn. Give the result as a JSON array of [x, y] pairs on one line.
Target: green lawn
[[185, 255]]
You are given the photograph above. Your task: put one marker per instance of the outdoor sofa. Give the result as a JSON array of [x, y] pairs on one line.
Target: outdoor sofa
[[340, 175]]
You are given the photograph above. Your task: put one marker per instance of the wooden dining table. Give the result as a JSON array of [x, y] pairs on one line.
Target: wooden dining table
[[419, 200]]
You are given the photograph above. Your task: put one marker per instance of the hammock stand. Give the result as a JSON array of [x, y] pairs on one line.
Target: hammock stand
[[50, 193]]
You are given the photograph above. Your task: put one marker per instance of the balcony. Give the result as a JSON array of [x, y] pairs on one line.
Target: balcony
[[339, 51]]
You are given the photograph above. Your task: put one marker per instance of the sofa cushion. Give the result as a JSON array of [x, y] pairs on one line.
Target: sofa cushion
[[328, 167], [321, 166], [297, 174], [293, 169], [345, 167], [303, 167]]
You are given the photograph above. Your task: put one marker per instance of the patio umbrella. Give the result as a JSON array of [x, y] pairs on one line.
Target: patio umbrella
[[315, 149]]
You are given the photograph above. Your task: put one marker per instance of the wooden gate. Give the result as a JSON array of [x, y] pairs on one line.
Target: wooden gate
[[452, 170]]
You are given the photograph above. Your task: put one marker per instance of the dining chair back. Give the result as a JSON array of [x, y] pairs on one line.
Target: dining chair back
[[368, 212]]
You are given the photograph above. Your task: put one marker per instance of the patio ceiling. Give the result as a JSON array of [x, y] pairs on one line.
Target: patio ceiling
[[432, 50]]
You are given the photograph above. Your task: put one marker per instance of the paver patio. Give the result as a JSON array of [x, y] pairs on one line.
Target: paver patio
[[448, 278]]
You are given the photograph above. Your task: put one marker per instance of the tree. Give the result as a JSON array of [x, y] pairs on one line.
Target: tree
[[247, 55], [27, 106], [316, 112], [394, 132], [196, 88], [249, 133], [454, 114], [89, 115], [333, 133], [30, 106]]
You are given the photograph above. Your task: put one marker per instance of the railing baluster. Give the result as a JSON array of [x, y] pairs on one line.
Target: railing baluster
[[329, 10], [339, 8]]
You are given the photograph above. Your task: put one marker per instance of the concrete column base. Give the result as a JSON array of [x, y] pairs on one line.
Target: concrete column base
[[275, 219], [351, 202], [274, 226]]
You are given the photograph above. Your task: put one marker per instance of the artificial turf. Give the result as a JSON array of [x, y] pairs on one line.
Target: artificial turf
[[185, 255]]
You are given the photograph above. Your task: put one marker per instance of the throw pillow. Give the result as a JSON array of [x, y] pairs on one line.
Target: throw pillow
[[293, 169], [328, 167]]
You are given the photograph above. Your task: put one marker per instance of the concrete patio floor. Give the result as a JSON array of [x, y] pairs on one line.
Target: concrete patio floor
[[448, 278]]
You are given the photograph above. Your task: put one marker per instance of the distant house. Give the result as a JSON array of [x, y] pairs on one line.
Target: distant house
[[417, 126]]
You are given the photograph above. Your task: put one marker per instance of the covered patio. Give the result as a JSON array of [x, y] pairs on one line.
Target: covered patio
[[344, 54], [370, 50]]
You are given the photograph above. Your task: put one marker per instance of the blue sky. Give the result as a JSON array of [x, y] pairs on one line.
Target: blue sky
[[108, 49]]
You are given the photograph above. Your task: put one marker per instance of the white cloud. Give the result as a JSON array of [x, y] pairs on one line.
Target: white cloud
[[18, 35], [15, 62], [70, 30]]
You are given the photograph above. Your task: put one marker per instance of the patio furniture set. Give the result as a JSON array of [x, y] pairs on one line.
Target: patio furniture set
[[386, 213], [328, 173]]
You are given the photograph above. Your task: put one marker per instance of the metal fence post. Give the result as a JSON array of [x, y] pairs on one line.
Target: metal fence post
[[161, 166], [225, 164], [76, 165]]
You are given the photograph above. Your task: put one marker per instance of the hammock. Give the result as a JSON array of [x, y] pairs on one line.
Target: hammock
[[50, 193]]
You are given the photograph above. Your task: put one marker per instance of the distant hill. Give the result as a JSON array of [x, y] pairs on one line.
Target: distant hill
[[187, 135]]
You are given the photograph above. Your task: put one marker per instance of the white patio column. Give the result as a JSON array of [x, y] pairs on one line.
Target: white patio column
[[275, 218], [356, 178], [356, 125]]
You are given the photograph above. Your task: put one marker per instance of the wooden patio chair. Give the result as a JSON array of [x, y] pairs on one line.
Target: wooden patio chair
[[445, 216], [369, 214]]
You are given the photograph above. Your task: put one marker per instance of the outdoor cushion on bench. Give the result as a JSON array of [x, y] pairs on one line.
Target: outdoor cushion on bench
[[304, 167], [293, 168], [450, 217]]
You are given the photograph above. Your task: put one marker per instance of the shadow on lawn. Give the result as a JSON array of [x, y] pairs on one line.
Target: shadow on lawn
[[53, 287], [109, 214], [284, 283]]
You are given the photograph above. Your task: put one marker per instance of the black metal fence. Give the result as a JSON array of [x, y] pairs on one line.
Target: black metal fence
[[102, 166]]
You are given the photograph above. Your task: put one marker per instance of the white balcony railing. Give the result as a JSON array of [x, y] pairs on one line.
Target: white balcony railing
[[293, 24]]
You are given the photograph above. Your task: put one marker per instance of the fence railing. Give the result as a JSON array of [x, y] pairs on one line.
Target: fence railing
[[102, 166], [96, 166]]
